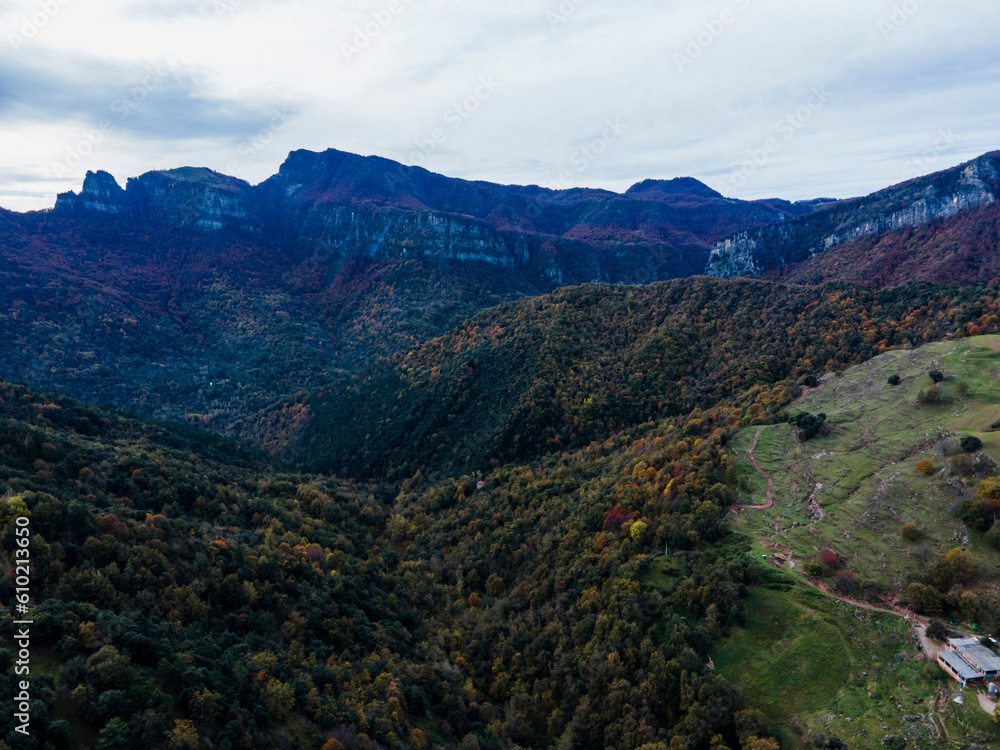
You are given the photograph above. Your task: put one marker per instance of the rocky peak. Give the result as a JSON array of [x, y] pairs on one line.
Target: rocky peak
[[100, 193], [188, 196]]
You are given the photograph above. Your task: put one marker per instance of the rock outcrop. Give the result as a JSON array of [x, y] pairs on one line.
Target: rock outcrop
[[754, 252]]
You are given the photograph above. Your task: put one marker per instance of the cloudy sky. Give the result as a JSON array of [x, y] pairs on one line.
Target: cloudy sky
[[757, 98]]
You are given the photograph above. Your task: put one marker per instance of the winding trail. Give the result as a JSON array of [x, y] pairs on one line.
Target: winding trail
[[806, 390], [767, 477], [917, 622]]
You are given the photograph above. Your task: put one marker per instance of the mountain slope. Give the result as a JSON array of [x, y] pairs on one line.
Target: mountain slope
[[862, 472], [183, 588], [196, 296], [961, 250], [912, 204], [555, 372]]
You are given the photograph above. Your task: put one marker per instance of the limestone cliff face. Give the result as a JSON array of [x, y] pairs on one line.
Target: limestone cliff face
[[100, 193], [188, 197], [388, 233], [939, 196], [198, 198], [332, 206]]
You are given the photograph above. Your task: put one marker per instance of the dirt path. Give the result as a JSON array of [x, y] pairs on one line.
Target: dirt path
[[920, 622], [931, 647], [988, 705], [767, 477], [806, 390]]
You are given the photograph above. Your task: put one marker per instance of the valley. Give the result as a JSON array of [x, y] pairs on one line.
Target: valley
[[366, 457]]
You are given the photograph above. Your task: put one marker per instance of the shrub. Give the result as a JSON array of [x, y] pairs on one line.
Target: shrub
[[829, 559], [810, 424], [963, 465], [989, 490], [978, 514], [910, 532], [894, 380], [993, 536], [926, 466], [937, 631], [813, 569], [810, 381], [931, 396], [936, 375], [845, 582], [971, 444], [924, 599], [946, 446]]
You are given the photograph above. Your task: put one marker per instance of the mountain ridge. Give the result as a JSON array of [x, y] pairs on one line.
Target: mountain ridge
[[942, 195], [195, 296], [348, 205]]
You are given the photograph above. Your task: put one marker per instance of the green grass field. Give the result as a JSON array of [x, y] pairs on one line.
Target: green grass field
[[864, 475], [815, 664], [818, 666]]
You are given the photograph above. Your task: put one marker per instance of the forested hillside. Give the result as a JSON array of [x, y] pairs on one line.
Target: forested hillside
[[555, 372], [197, 297], [188, 591], [480, 517]]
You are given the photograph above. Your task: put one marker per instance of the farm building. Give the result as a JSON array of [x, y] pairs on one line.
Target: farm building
[[956, 642], [968, 661], [953, 663], [982, 659]]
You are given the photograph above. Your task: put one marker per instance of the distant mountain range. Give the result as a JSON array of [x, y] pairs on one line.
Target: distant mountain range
[[334, 206], [196, 296]]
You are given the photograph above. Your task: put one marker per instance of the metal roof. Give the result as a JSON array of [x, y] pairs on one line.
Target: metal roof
[[981, 658], [956, 642], [959, 665]]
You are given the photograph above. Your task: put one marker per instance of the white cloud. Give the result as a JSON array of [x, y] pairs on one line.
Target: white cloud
[[898, 72]]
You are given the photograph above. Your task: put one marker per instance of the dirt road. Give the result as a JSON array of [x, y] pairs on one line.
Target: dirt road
[[767, 478]]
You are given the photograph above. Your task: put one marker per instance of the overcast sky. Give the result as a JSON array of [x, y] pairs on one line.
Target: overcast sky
[[757, 98]]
